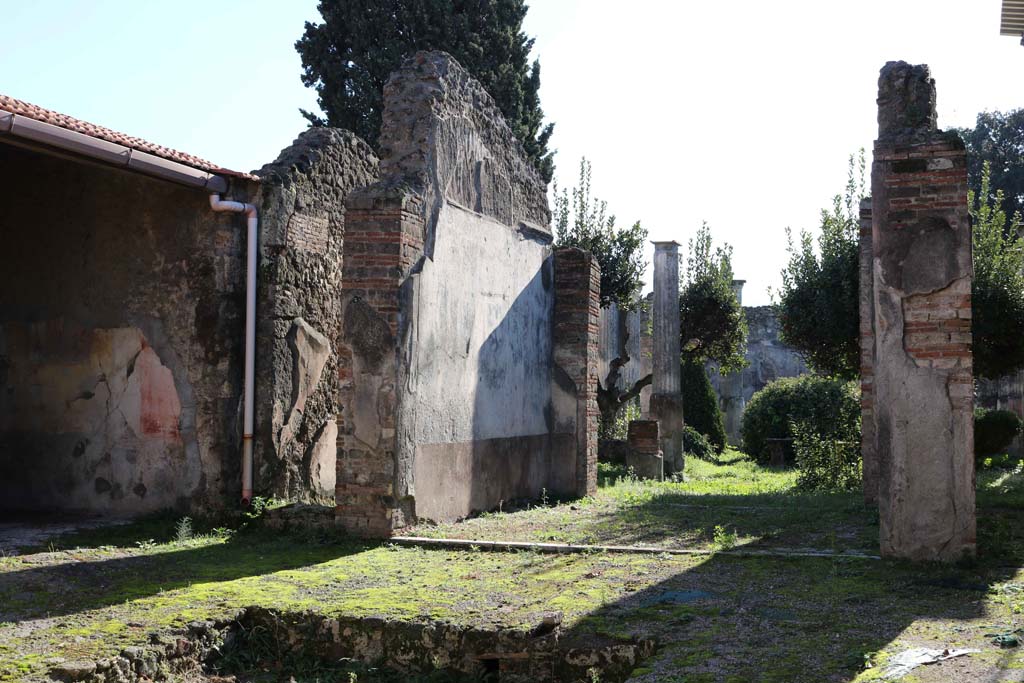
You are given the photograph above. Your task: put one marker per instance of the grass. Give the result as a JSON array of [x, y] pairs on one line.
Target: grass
[[715, 617], [754, 506]]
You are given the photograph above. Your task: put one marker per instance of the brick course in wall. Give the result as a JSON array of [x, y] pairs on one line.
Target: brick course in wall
[[869, 454], [576, 333], [383, 240]]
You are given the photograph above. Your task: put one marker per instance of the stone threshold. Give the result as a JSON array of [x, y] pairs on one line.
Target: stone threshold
[[568, 548]]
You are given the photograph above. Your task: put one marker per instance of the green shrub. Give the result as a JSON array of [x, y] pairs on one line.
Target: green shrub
[[825, 464], [826, 407], [993, 431], [619, 427], [697, 445], [700, 407]]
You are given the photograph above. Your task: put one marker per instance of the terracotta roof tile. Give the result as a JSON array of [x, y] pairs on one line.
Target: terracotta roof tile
[[37, 113]]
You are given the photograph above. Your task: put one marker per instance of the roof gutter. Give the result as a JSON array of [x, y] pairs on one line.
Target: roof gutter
[[108, 152]]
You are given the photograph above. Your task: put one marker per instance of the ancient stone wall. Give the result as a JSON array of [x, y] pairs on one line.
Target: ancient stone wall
[[448, 296], [626, 332], [922, 363], [768, 359], [120, 340], [302, 228]]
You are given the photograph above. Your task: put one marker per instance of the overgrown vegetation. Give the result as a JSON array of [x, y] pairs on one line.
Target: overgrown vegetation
[[821, 618], [697, 445], [818, 302], [824, 408], [993, 431], [701, 410], [348, 58], [826, 463], [582, 221], [997, 141], [997, 294], [711, 321]]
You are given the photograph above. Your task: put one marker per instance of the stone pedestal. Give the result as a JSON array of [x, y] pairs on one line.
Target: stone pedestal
[[666, 400], [644, 454], [922, 361]]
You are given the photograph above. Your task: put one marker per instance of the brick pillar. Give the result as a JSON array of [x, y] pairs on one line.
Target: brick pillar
[[383, 239], [869, 455], [666, 382], [576, 331], [921, 248]]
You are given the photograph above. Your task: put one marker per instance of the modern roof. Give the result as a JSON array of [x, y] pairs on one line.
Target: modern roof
[[1012, 21], [34, 112]]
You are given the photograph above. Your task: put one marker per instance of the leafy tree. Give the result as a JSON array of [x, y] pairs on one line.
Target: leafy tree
[[583, 221], [711, 321], [997, 139], [998, 288], [712, 329], [349, 57], [818, 304]]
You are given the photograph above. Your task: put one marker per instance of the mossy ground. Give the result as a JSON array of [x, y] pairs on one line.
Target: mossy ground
[[716, 617]]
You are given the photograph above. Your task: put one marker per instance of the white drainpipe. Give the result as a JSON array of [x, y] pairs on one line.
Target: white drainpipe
[[250, 334]]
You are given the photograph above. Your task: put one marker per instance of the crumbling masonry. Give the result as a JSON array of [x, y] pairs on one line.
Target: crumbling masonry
[[918, 369], [459, 390]]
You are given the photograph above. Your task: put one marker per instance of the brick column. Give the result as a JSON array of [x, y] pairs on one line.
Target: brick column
[[666, 382], [921, 247], [869, 455], [576, 331], [383, 240]]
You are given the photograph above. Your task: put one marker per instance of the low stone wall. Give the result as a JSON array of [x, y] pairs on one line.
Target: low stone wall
[[538, 655]]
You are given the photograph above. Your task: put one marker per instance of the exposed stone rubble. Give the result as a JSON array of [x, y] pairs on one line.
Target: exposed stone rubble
[[302, 222]]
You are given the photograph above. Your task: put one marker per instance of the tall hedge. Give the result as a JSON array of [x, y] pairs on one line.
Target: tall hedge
[[700, 404]]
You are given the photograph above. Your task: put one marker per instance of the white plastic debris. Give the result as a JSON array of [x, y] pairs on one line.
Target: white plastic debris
[[905, 662]]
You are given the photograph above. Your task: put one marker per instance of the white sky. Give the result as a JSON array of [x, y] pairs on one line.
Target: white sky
[[740, 113]]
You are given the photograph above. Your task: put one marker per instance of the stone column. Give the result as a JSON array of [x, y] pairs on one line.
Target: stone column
[[869, 455], [732, 400], [666, 387], [921, 248]]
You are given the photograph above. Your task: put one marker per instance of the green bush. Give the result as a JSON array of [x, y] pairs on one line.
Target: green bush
[[826, 407], [697, 445], [993, 431], [825, 464], [619, 427], [700, 407]]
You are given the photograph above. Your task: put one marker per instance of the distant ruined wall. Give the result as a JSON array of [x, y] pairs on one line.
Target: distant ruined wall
[[768, 359], [448, 296], [120, 340], [302, 229]]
